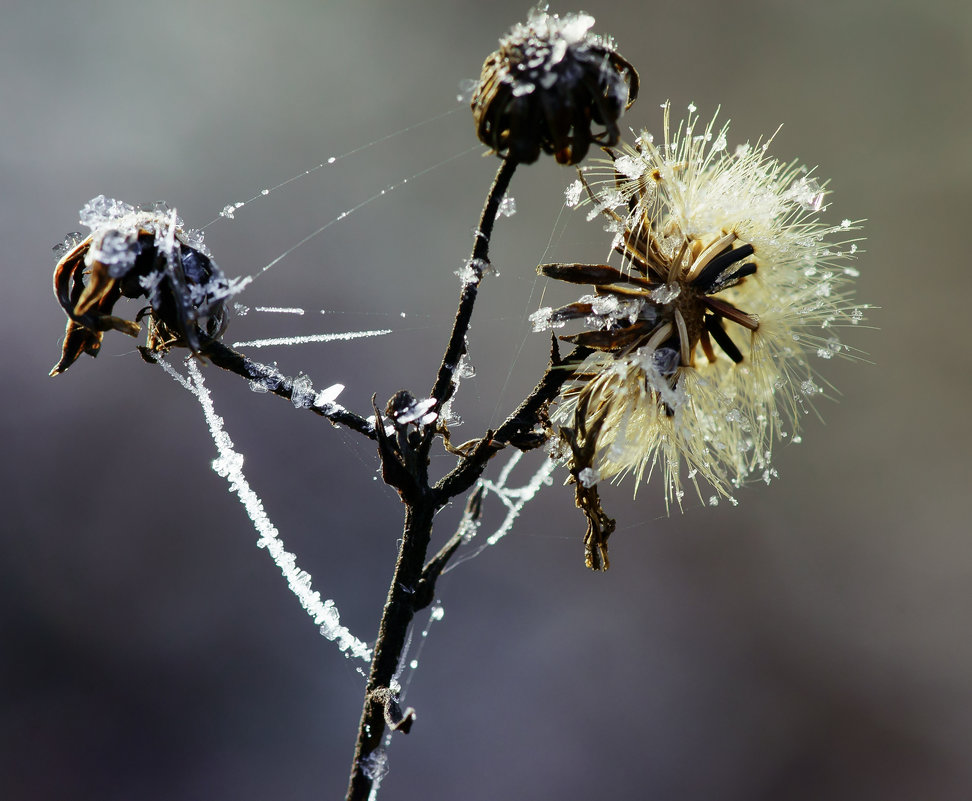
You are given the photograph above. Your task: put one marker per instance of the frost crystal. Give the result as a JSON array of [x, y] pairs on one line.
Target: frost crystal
[[66, 245], [230, 209], [588, 477], [375, 765], [831, 349], [666, 293], [465, 368], [302, 393], [326, 397], [418, 412], [101, 211], [116, 250], [807, 193], [629, 166], [507, 206], [466, 88], [513, 498], [472, 271], [543, 319], [573, 193]]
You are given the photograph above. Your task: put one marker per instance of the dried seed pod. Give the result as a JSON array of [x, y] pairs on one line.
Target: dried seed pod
[[547, 84], [137, 253], [730, 284]]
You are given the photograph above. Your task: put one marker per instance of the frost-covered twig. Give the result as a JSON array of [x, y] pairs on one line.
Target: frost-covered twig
[[270, 379], [229, 465]]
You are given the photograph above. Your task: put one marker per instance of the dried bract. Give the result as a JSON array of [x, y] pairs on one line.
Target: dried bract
[[136, 253], [729, 287], [545, 87]]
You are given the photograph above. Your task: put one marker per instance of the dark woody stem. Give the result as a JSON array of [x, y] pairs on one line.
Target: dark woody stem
[[395, 620], [444, 387], [404, 465], [235, 362], [518, 429]]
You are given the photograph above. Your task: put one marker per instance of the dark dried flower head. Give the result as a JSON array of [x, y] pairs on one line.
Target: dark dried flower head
[[548, 83], [137, 253]]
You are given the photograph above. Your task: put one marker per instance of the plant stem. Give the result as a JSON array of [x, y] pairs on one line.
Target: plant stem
[[235, 362], [395, 620], [421, 504], [444, 387]]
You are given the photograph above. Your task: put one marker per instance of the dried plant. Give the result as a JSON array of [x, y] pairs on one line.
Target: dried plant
[[696, 354]]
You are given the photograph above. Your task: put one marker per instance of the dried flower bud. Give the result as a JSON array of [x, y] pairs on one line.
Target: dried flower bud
[[550, 80], [137, 253]]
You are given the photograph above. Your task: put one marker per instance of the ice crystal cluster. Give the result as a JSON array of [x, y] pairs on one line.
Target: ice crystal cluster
[[705, 342]]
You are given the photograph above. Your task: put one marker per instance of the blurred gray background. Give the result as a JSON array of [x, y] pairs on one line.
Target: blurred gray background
[[813, 643]]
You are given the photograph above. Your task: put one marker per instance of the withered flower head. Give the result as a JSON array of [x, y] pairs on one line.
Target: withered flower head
[[730, 286], [136, 253], [548, 83]]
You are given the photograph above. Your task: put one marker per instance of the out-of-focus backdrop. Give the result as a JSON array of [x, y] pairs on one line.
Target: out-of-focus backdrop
[[812, 643]]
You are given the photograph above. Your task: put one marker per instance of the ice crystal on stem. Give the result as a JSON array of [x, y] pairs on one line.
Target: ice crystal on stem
[[738, 284]]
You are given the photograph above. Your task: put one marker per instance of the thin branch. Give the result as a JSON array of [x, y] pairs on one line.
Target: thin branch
[[425, 590], [395, 620], [443, 387], [527, 415], [517, 429], [235, 362]]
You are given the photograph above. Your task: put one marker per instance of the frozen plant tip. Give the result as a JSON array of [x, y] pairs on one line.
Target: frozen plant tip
[[548, 83], [729, 287], [136, 253]]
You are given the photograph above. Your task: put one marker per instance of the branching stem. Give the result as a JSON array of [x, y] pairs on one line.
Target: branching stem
[[405, 459], [410, 455]]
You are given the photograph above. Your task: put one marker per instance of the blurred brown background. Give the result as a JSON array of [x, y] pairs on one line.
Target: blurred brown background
[[813, 643]]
